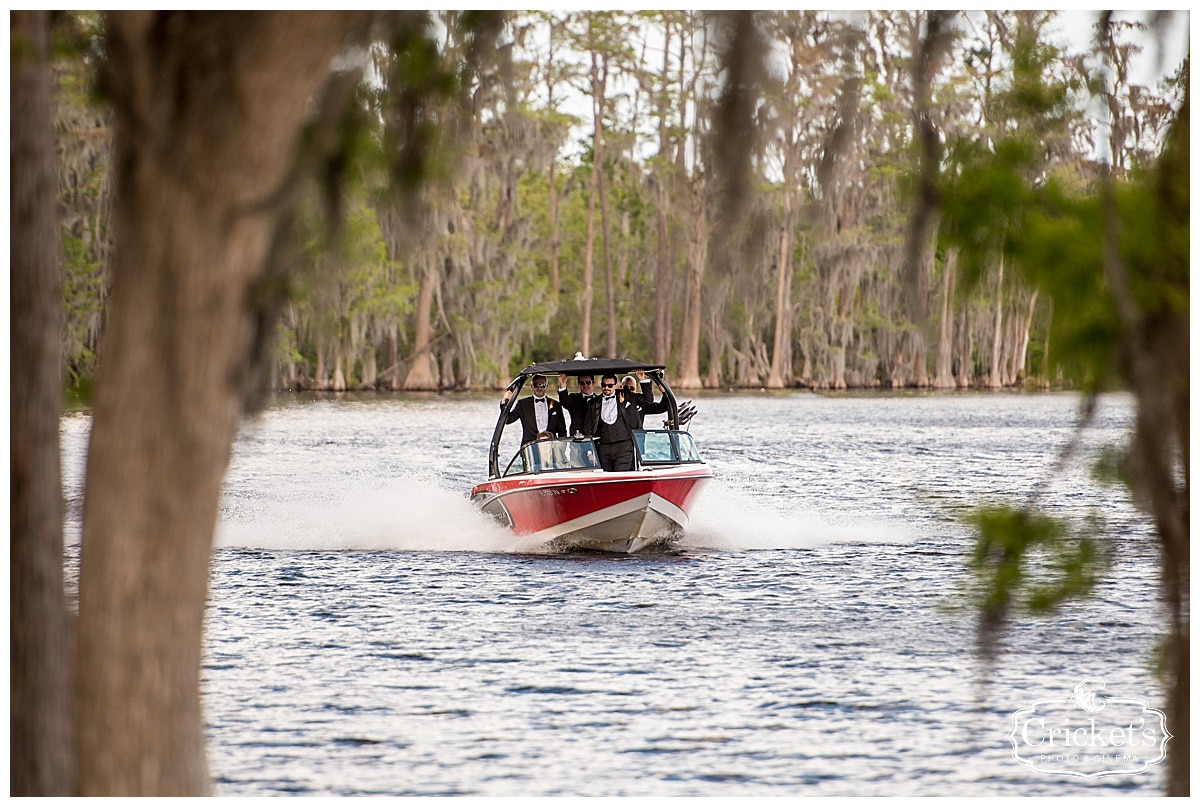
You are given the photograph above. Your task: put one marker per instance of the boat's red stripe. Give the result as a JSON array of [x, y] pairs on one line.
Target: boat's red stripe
[[591, 478], [541, 504]]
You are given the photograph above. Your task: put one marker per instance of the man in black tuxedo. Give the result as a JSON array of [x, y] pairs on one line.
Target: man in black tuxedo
[[645, 399], [537, 413], [612, 418], [576, 403]]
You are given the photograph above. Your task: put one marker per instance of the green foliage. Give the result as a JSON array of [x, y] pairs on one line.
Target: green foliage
[[346, 291], [419, 79], [79, 46], [1005, 199], [442, 95], [371, 282], [1111, 467], [81, 134], [1032, 562], [1037, 104], [82, 295], [1058, 245], [1054, 234]]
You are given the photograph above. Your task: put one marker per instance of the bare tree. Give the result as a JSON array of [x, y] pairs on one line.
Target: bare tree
[[41, 762]]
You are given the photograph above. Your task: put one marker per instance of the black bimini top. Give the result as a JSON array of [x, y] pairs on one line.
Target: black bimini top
[[588, 366]]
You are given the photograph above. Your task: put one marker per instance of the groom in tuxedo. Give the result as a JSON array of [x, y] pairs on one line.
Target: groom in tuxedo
[[612, 417], [538, 413]]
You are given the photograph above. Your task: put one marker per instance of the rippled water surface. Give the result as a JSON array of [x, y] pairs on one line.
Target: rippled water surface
[[370, 634]]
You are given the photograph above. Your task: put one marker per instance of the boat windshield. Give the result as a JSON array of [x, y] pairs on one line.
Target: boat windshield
[[665, 447], [558, 454]]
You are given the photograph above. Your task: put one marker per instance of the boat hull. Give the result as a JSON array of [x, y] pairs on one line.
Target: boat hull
[[598, 510]]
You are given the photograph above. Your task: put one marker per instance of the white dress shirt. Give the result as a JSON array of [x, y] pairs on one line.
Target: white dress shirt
[[608, 409]]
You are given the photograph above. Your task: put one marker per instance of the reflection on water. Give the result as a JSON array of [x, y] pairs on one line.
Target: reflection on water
[[370, 633]]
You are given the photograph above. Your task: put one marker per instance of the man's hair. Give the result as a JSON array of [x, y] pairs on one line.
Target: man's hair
[[586, 375], [539, 377], [608, 375]]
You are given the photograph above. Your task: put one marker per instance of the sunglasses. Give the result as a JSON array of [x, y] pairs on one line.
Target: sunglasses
[[608, 386], [539, 386], [587, 383]]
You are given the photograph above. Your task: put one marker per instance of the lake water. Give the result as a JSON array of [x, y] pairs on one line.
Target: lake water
[[369, 633]]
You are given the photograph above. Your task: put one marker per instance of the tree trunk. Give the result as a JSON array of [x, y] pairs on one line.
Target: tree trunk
[[689, 360], [994, 379], [448, 379], [920, 378], [320, 372], [943, 377], [1012, 343], [966, 352], [42, 761], [1155, 353], [609, 284], [716, 352], [838, 354], [589, 248], [781, 352], [209, 110], [421, 375], [598, 80], [339, 372], [370, 371], [663, 284], [393, 356], [286, 376], [1044, 383], [663, 276], [555, 281], [1023, 349]]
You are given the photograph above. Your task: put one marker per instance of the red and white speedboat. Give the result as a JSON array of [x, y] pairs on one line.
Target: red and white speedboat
[[554, 492]]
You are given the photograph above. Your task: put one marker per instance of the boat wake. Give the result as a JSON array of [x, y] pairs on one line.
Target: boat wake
[[732, 520], [406, 514], [411, 514]]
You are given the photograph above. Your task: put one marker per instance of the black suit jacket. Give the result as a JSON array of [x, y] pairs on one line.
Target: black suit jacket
[[576, 405], [556, 425], [627, 407], [647, 405]]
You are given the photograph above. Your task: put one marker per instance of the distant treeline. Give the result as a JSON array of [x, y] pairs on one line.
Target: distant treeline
[[584, 202]]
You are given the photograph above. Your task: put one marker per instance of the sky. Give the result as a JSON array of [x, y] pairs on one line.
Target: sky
[[1158, 58]]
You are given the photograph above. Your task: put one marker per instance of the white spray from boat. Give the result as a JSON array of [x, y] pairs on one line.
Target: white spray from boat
[[420, 515]]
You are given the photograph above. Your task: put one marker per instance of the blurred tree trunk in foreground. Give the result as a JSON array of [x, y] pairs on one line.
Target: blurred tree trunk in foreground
[[209, 110], [41, 762], [1160, 457]]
